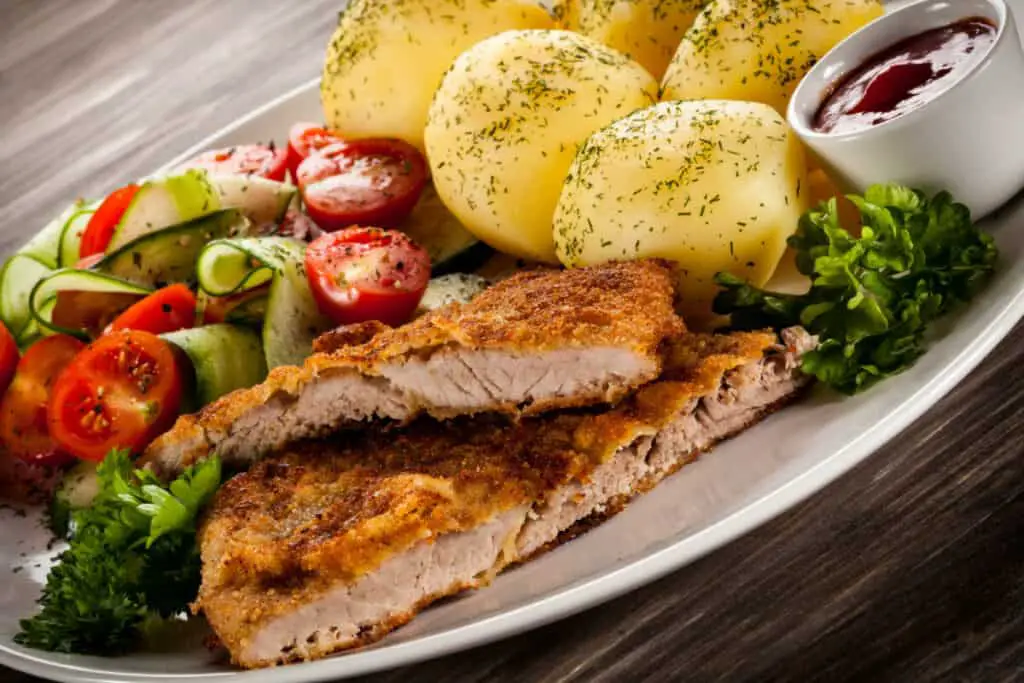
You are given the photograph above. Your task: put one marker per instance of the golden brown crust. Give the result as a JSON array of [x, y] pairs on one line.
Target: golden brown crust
[[226, 603], [340, 509], [296, 524], [348, 335], [625, 305]]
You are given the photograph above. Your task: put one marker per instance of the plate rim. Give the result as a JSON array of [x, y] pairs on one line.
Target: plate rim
[[590, 592]]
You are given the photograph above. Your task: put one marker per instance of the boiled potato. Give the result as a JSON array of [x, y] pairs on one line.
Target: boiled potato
[[649, 31], [759, 50], [387, 57], [712, 185], [506, 123]]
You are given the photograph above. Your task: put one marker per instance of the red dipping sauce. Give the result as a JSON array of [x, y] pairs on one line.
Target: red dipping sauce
[[905, 76]]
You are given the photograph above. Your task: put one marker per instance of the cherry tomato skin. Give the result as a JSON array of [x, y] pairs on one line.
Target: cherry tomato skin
[[362, 274], [8, 358], [166, 310], [122, 391], [262, 160], [23, 423], [305, 139], [103, 223], [362, 182]]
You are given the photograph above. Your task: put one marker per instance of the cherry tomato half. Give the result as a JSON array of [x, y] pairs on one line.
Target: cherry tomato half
[[103, 222], [23, 426], [8, 358], [362, 274], [165, 310], [122, 391], [362, 182], [305, 139], [262, 160]]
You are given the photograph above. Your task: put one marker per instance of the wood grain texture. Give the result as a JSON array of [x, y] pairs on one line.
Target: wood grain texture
[[907, 569]]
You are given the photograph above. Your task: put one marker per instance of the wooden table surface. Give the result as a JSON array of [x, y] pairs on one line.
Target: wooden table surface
[[907, 569]]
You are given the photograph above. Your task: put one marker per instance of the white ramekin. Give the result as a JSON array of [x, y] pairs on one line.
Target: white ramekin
[[969, 140]]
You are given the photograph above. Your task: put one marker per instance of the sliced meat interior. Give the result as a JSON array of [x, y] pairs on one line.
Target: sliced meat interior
[[336, 542], [534, 342]]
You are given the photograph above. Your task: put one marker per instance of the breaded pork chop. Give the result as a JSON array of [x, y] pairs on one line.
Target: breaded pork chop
[[337, 542], [536, 341]]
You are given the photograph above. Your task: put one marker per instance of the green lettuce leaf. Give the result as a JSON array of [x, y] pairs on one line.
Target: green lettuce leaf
[[872, 296], [132, 556]]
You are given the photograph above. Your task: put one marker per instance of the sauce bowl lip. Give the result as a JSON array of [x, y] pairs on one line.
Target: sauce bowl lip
[[805, 128]]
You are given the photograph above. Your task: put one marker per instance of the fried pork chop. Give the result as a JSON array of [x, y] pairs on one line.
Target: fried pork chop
[[335, 543], [536, 341]]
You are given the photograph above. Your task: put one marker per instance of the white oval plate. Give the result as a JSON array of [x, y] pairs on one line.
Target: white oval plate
[[739, 486]]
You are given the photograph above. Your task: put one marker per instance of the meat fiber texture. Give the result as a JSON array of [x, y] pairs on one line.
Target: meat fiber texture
[[533, 342], [335, 542]]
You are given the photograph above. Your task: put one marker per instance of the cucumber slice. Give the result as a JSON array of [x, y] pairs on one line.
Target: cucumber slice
[[165, 201], [451, 247], [292, 320], [260, 200], [29, 265], [44, 294], [224, 358], [29, 335], [228, 267], [71, 234], [169, 255], [19, 275], [45, 245], [76, 491], [33, 332]]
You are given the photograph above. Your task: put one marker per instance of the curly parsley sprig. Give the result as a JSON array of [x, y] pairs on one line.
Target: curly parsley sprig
[[132, 556], [873, 296]]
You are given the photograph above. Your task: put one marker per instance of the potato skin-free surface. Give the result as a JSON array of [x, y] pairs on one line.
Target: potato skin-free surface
[[712, 185], [507, 120], [648, 31], [387, 57], [758, 50]]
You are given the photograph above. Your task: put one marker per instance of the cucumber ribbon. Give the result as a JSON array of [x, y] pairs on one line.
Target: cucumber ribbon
[[232, 266]]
